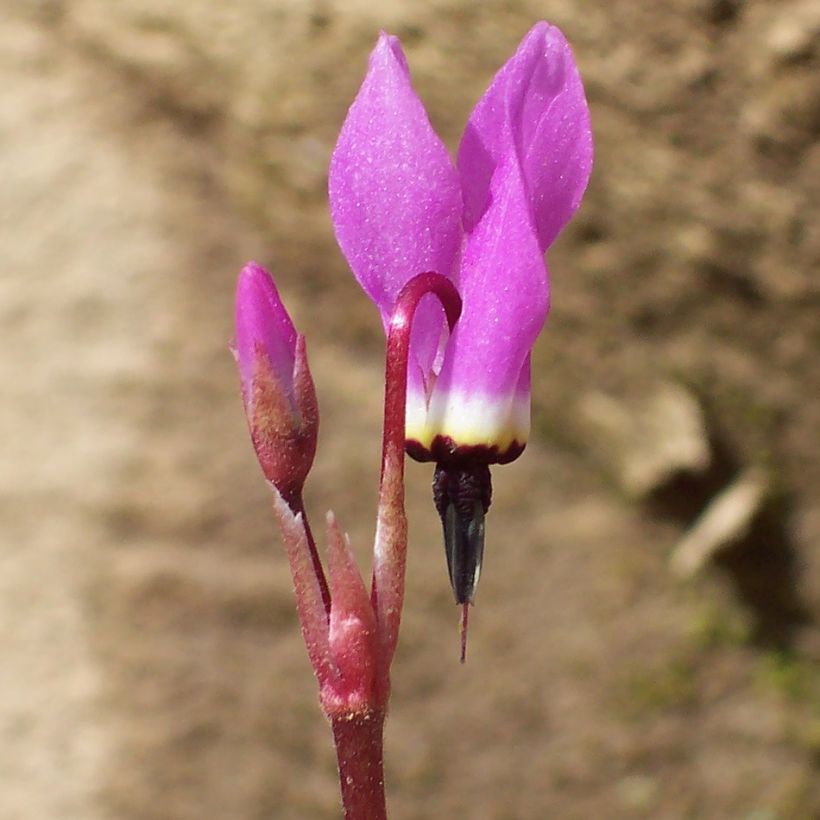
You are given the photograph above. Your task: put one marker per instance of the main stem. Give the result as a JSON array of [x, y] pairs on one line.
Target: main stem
[[359, 740]]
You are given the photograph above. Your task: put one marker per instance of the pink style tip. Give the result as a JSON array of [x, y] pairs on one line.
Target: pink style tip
[[465, 614]]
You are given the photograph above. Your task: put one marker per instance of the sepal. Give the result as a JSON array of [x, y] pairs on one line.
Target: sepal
[[352, 629]]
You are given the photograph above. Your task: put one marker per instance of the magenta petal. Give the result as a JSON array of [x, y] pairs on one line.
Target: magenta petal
[[262, 323], [535, 106], [481, 395], [394, 194]]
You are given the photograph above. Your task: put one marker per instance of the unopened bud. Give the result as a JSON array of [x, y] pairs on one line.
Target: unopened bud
[[277, 388]]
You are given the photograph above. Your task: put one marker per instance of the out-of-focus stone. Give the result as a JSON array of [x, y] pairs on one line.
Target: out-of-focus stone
[[793, 34], [725, 521], [646, 445]]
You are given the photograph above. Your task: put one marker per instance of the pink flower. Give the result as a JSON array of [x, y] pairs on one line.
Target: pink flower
[[400, 207]]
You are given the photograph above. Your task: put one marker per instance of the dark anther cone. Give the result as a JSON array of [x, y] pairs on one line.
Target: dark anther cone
[[462, 498]]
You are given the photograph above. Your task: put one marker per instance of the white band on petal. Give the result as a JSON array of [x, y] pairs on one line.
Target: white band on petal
[[469, 421]]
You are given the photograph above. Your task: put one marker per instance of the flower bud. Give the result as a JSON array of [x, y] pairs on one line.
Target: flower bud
[[277, 388]]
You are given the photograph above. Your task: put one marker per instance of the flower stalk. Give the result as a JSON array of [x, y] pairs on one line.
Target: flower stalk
[[390, 550]]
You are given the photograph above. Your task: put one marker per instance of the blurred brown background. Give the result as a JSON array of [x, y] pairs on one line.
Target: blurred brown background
[[628, 657]]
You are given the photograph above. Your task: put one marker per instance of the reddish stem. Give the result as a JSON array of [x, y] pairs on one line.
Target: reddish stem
[[391, 536], [358, 739], [297, 504], [398, 348]]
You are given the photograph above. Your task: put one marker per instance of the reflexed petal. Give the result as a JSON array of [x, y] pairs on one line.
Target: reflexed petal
[[394, 194], [481, 396], [535, 106]]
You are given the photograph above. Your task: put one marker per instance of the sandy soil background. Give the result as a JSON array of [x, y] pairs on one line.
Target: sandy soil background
[[151, 664]]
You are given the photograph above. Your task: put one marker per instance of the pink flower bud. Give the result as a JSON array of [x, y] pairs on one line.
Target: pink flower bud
[[277, 388]]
